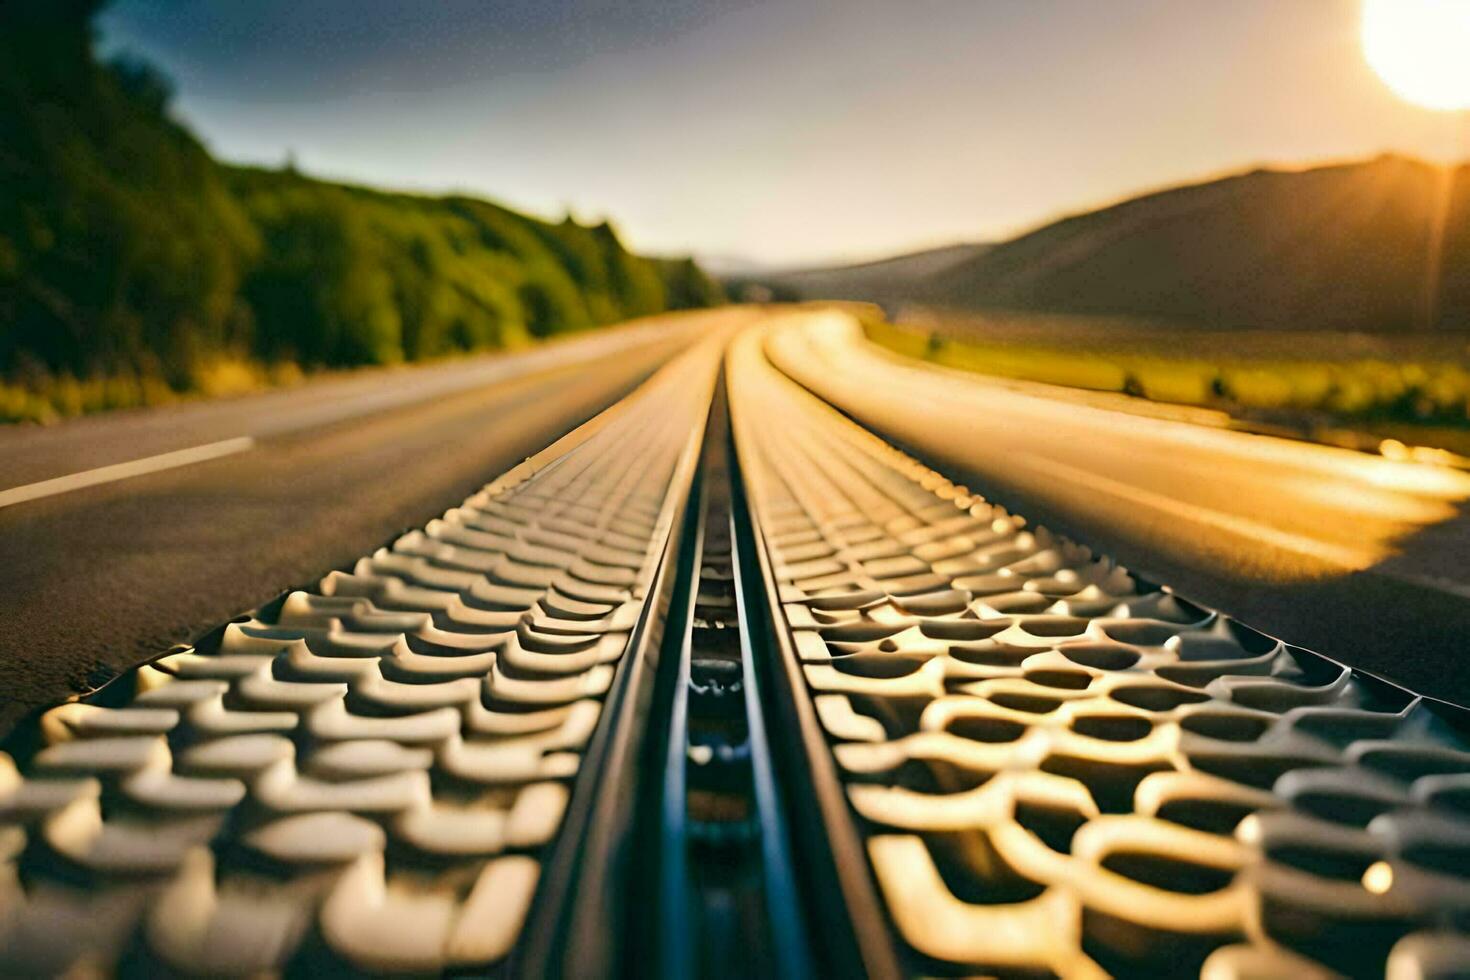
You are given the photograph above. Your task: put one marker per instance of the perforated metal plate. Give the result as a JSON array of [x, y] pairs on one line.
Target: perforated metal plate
[[1041, 763], [1053, 767], [368, 775]]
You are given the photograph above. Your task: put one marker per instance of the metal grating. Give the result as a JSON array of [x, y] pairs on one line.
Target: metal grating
[[1056, 768]]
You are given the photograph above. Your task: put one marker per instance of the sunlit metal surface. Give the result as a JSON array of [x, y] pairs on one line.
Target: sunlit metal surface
[[1351, 553], [1042, 763], [1058, 768]]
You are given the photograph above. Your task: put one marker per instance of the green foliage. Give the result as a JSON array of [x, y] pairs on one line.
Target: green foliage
[[122, 247], [1429, 389], [687, 286], [131, 261]]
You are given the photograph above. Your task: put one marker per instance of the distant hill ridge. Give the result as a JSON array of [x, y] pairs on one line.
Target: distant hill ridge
[[1347, 247], [896, 268], [884, 280]]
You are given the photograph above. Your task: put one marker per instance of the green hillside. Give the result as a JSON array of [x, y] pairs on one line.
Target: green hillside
[[133, 265]]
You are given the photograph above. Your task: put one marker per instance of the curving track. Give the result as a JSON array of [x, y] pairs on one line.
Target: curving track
[[1047, 765], [1358, 555]]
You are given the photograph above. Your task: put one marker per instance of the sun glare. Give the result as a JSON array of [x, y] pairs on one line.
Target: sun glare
[[1421, 49]]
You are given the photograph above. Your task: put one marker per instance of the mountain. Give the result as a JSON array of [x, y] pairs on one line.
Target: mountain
[[1347, 247], [129, 255], [879, 281]]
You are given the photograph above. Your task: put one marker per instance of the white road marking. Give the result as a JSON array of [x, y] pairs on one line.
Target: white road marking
[[123, 471], [392, 393]]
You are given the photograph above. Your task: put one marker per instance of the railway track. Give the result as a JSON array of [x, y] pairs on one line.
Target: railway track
[[722, 684]]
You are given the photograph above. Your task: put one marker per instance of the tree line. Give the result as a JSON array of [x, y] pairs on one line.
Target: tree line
[[132, 262]]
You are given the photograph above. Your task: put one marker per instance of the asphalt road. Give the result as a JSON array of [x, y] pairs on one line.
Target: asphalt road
[[35, 455], [98, 578], [1359, 557]]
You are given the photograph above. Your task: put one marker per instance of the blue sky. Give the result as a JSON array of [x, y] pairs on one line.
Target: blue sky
[[784, 131]]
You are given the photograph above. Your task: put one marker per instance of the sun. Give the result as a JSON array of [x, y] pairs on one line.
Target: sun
[[1421, 49]]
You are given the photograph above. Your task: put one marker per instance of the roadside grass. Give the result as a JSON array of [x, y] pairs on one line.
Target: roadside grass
[[1414, 392], [40, 397], [45, 398]]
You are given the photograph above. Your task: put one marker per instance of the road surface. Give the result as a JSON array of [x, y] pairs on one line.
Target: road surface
[[1359, 557], [94, 579], [491, 744]]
